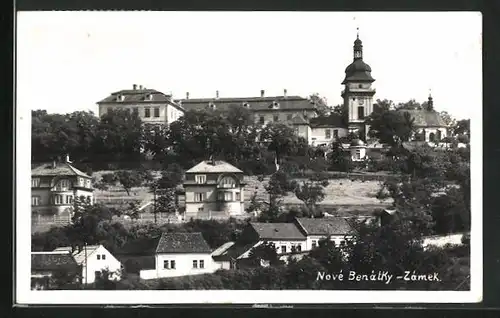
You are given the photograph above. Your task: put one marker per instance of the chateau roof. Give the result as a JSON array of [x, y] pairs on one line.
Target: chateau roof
[[182, 243], [216, 166], [140, 96], [254, 103], [280, 231], [425, 118], [334, 120], [60, 169]]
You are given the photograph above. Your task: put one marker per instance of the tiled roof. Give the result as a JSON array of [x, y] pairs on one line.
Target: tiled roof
[[79, 256], [254, 103], [51, 261], [233, 252], [325, 226], [140, 96], [216, 166], [334, 120], [61, 169], [140, 247], [280, 231], [425, 118], [222, 250], [182, 243]]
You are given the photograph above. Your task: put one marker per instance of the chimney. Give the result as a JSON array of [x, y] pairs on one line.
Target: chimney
[[261, 93], [134, 86], [187, 95], [216, 94], [140, 86], [79, 248], [284, 92]]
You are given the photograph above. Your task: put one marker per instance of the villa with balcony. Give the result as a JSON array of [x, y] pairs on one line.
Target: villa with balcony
[[213, 189], [56, 186]]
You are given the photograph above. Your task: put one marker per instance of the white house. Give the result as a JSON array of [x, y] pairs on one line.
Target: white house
[[338, 228], [181, 254], [93, 259]]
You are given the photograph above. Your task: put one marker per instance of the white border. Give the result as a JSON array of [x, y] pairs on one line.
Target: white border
[[23, 234]]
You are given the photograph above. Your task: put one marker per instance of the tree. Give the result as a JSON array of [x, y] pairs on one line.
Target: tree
[[280, 138], [128, 179], [447, 119], [264, 254], [391, 127], [461, 127], [329, 255], [320, 103], [339, 159], [311, 193], [409, 105], [164, 189]]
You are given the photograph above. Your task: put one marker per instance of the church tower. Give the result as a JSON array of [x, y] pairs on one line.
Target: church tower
[[358, 92]]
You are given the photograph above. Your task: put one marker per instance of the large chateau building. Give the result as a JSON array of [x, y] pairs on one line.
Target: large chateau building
[[305, 115], [153, 107]]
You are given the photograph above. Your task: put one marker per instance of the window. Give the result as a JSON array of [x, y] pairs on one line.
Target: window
[[328, 134], [147, 112], [35, 182], [167, 263], [289, 117], [35, 200], [157, 111], [438, 135], [228, 196], [261, 119], [69, 199], [299, 247], [135, 110], [283, 249], [360, 85], [202, 264], [195, 264], [200, 209], [58, 199], [199, 196], [275, 118], [109, 110], [103, 256], [228, 182], [296, 130], [238, 196], [87, 184], [81, 182], [358, 154], [200, 179], [62, 185], [336, 133], [432, 137], [313, 243], [361, 112], [172, 264], [89, 199], [98, 256]]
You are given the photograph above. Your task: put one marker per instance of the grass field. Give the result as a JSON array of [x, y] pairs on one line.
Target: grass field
[[341, 194]]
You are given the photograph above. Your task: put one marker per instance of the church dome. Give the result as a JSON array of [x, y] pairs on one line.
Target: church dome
[[357, 143], [358, 66]]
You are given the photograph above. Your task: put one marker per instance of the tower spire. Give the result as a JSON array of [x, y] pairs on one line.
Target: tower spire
[[357, 32], [430, 102]]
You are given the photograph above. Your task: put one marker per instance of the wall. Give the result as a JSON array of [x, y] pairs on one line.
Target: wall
[[278, 244], [110, 263], [211, 203], [442, 240], [184, 264], [318, 135], [103, 109], [282, 115], [173, 114], [336, 238]]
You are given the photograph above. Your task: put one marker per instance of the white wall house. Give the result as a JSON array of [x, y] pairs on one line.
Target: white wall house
[[152, 106], [93, 259], [181, 254], [315, 230]]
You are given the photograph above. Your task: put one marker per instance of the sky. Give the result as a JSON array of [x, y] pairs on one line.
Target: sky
[[68, 61]]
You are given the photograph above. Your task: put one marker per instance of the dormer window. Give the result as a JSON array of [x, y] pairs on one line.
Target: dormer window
[[211, 105], [148, 97], [247, 105], [120, 98], [276, 104]]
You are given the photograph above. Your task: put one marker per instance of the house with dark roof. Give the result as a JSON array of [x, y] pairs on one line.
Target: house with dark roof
[[152, 106], [181, 254], [326, 129], [337, 228], [213, 189], [54, 187], [47, 264]]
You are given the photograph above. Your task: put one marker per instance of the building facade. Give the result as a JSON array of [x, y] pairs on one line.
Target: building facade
[[55, 186], [44, 265], [93, 260], [181, 254], [152, 106], [213, 189]]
